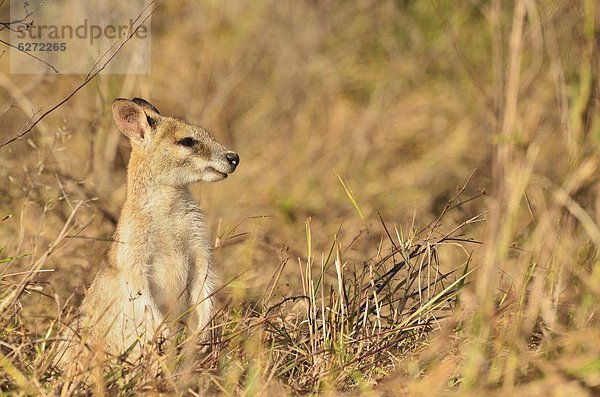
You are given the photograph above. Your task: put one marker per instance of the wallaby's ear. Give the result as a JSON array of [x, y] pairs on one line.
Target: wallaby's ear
[[146, 105], [131, 119], [152, 113]]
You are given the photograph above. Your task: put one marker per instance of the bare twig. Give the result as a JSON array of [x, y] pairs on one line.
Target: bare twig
[[85, 82]]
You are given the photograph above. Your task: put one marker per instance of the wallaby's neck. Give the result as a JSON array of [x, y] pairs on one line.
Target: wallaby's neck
[[144, 192], [150, 208]]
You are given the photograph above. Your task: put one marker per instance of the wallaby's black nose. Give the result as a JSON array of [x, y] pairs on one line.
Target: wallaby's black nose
[[233, 158]]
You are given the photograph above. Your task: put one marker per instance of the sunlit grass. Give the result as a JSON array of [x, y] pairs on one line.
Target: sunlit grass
[[335, 280]]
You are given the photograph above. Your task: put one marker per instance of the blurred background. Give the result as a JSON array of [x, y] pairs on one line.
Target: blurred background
[[403, 99], [374, 92]]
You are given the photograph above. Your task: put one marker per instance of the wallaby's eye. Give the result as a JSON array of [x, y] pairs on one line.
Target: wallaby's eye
[[187, 142]]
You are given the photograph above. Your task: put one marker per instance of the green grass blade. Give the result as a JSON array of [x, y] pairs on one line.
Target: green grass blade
[[352, 199]]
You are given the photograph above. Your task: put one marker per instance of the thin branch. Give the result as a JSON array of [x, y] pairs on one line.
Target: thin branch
[[89, 78], [29, 54]]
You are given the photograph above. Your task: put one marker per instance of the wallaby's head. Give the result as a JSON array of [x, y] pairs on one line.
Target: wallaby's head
[[174, 151]]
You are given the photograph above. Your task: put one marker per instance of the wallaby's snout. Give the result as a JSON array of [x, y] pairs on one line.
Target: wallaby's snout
[[218, 164], [233, 159]]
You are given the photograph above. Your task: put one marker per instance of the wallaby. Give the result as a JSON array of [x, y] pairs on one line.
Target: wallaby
[[159, 265]]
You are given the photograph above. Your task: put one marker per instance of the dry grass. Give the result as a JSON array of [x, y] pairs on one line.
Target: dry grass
[[351, 324], [357, 123]]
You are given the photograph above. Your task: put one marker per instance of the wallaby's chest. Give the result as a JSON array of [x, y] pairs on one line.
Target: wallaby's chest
[[178, 244]]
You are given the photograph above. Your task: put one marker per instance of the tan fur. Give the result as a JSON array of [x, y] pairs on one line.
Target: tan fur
[[160, 263]]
